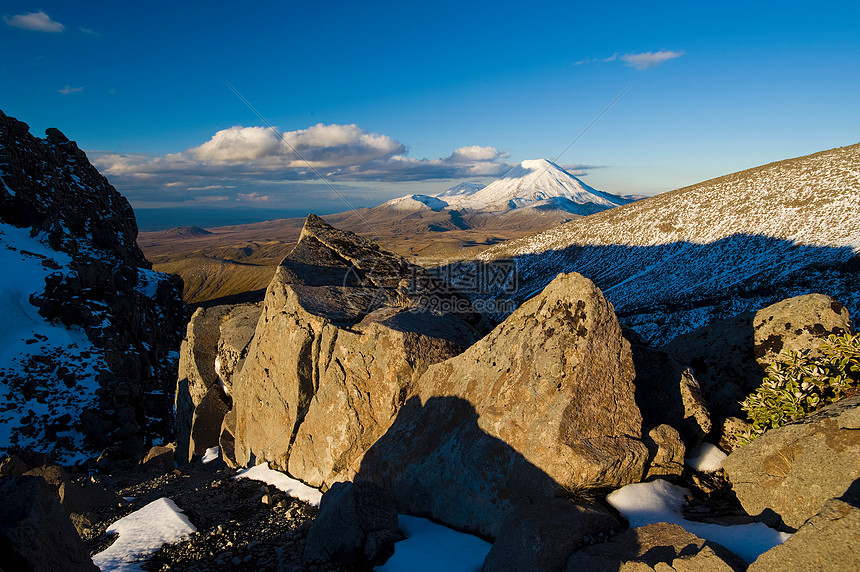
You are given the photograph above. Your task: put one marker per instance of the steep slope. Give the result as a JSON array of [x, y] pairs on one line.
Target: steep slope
[[675, 261], [89, 332]]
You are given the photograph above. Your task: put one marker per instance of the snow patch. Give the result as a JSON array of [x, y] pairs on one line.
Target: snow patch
[[282, 481], [211, 454], [142, 533], [430, 547], [705, 457], [661, 501]]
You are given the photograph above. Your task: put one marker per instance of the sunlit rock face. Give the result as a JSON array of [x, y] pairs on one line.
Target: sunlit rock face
[[346, 330]]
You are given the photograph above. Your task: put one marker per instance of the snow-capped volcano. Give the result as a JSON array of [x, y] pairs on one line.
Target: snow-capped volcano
[[533, 183]]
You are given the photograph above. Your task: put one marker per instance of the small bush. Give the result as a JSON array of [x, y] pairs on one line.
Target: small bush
[[797, 384]]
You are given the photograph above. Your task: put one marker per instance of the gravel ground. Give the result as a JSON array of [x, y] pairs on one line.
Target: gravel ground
[[241, 524]]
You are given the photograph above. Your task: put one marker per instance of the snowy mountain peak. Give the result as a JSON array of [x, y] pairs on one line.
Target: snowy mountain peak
[[534, 181]]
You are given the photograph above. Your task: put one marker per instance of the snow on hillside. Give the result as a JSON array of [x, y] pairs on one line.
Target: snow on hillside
[[675, 261], [460, 190], [414, 203], [32, 407], [532, 181]]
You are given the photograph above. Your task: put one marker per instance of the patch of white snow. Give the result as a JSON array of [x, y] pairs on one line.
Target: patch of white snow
[[282, 481], [661, 501], [430, 547], [142, 533]]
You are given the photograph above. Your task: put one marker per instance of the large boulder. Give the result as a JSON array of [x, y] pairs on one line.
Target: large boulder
[[660, 546], [346, 330], [542, 404], [541, 537], [794, 469], [35, 531], [356, 526], [827, 541], [729, 356]]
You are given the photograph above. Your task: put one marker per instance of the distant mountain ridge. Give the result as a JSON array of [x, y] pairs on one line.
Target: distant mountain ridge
[[673, 262]]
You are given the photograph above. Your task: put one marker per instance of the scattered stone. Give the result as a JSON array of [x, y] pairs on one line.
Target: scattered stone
[[544, 401], [344, 334], [666, 452], [159, 459], [729, 356]]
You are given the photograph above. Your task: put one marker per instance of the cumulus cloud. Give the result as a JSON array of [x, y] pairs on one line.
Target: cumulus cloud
[[257, 165], [647, 60], [68, 89], [319, 146], [36, 21], [475, 153]]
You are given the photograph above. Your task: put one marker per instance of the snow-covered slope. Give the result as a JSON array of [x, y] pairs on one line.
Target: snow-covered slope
[[675, 261], [411, 203], [88, 332], [532, 182]]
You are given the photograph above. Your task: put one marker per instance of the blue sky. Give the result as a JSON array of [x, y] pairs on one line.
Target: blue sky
[[385, 99]]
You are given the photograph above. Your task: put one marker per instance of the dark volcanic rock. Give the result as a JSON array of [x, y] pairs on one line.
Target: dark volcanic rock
[[35, 531], [116, 391], [356, 526]]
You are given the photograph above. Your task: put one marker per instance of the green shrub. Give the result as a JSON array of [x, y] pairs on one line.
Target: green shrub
[[798, 383]]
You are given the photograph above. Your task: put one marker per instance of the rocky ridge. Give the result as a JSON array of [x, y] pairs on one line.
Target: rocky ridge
[[92, 332]]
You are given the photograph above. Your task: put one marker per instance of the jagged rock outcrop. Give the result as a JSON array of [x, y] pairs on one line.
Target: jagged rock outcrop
[[729, 356], [99, 358], [660, 546], [794, 469], [216, 342], [825, 542], [543, 403], [346, 330], [35, 531]]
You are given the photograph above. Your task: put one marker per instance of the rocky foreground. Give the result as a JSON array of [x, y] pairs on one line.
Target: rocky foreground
[[380, 384]]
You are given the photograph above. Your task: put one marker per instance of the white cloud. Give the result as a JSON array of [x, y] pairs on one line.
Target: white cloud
[[611, 58], [475, 153], [265, 168], [253, 197], [68, 89], [647, 60], [36, 21], [319, 146]]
